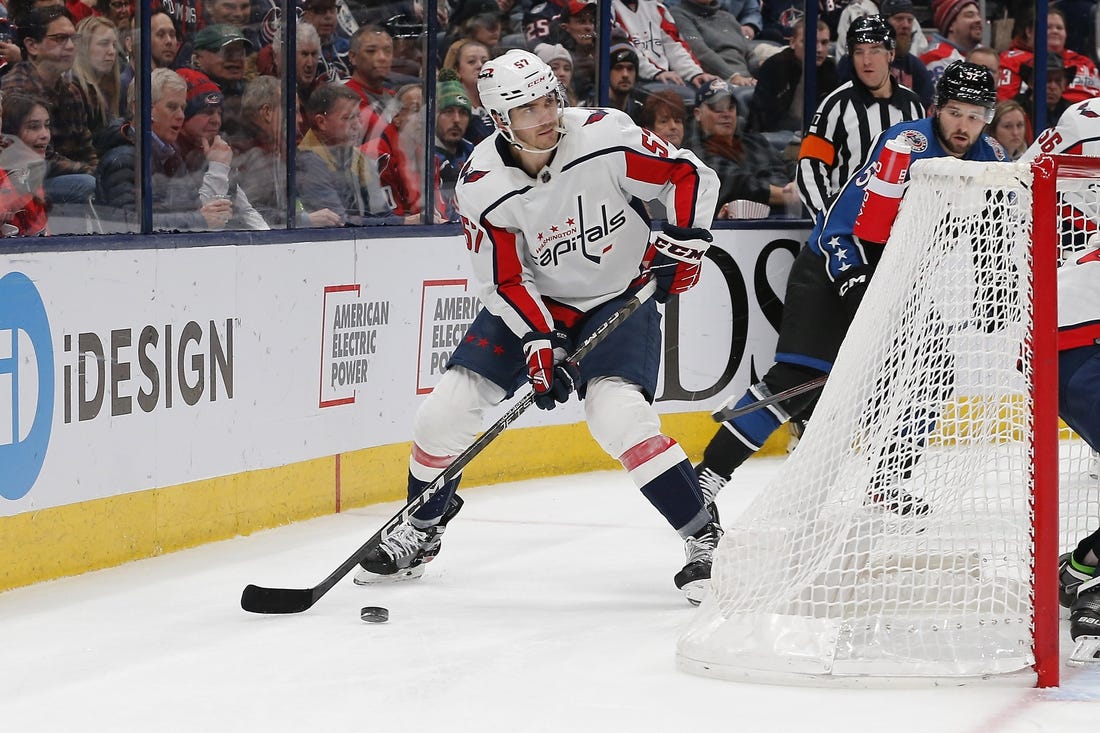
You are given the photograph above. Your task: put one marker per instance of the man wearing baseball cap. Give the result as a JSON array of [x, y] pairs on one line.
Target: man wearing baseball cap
[[220, 51], [960, 24], [452, 150], [748, 166]]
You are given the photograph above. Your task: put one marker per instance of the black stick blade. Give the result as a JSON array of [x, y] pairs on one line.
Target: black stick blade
[[276, 600]]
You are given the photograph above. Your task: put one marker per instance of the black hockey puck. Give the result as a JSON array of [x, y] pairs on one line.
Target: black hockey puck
[[374, 614]]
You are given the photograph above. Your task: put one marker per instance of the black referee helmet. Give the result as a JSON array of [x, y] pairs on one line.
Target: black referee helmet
[[871, 29]]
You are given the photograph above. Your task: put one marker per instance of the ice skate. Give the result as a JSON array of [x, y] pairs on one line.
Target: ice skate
[[1070, 577], [694, 578], [403, 554], [1084, 617], [898, 501]]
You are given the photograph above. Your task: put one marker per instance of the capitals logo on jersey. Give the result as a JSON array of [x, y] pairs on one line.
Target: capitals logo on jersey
[[1085, 111], [471, 176], [578, 233]]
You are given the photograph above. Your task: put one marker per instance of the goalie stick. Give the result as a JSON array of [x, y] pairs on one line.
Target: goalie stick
[[723, 414], [258, 599]]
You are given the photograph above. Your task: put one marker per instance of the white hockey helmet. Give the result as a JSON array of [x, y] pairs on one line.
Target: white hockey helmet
[[512, 80]]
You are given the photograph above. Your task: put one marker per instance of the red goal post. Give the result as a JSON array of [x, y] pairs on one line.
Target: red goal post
[[946, 389]]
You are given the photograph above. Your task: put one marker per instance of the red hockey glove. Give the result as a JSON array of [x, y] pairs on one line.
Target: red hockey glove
[[552, 377], [675, 258]]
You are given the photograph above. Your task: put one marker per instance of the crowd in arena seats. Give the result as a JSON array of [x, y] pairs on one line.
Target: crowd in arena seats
[[721, 77]]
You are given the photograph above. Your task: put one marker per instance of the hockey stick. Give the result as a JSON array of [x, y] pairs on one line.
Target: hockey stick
[[723, 414], [257, 599]]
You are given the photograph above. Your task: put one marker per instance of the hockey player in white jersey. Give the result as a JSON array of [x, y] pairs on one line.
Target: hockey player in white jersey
[[1077, 133], [552, 209], [1079, 407]]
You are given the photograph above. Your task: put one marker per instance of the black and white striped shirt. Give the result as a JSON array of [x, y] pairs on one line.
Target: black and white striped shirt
[[843, 130]]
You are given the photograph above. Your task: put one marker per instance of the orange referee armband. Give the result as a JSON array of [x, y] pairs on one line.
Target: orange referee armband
[[817, 148]]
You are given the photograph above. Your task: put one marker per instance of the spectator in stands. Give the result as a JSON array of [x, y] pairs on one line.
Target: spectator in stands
[[237, 13], [466, 58], [452, 150], [541, 21], [49, 42], [23, 166], [1010, 127], [260, 159], [622, 80], [96, 72], [780, 17], [220, 52], [174, 191], [333, 65], [961, 26], [332, 171], [777, 102], [119, 12], [560, 60], [719, 41], [478, 20], [163, 43], [207, 155], [308, 50], [748, 166], [399, 151], [187, 18], [665, 114], [987, 57], [408, 48], [575, 29], [916, 42], [370, 56], [1058, 79], [662, 55], [1018, 60]]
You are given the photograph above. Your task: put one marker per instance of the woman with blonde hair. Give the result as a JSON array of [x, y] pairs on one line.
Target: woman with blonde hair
[[1010, 127], [96, 71], [466, 57]]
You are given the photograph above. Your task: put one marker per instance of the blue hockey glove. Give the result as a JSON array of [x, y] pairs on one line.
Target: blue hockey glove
[[675, 259], [552, 377]]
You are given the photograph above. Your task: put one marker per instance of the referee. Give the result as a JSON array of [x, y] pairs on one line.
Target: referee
[[848, 121]]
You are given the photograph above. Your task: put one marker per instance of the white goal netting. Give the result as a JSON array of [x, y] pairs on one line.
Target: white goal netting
[[931, 398]]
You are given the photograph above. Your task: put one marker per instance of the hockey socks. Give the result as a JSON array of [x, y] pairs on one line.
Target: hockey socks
[[724, 453], [663, 473]]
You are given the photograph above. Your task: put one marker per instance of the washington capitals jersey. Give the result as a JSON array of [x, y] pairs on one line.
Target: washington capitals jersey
[[574, 235], [1079, 301], [1077, 133], [833, 238]]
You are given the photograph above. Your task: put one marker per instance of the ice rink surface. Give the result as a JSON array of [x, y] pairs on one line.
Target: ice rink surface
[[550, 608]]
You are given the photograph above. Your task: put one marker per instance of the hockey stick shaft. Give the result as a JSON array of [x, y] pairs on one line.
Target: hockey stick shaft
[[725, 414], [257, 599]]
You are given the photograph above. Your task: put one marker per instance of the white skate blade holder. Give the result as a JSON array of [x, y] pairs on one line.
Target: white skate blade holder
[[1086, 652]]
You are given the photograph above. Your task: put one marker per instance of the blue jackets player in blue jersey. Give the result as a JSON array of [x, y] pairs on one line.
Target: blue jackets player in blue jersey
[[829, 277]]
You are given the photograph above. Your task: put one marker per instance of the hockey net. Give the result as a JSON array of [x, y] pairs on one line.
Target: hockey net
[[944, 390]]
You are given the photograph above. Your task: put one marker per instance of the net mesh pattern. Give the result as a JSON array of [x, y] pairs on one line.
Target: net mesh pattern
[[833, 569]]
